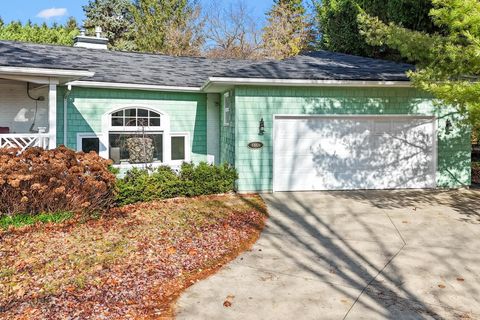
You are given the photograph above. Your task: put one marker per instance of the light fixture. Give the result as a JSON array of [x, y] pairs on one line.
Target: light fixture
[[261, 127], [448, 126]]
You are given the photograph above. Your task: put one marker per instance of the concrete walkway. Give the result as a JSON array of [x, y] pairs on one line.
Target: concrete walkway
[[353, 255]]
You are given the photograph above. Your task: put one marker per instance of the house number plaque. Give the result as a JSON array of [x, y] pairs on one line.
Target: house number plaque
[[255, 145]]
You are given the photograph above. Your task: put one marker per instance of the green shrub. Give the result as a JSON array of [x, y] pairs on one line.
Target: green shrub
[[163, 182]]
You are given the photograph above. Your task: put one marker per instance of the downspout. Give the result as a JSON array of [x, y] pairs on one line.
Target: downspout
[[65, 113]]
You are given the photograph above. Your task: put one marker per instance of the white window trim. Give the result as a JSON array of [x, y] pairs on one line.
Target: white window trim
[[188, 152], [151, 132], [83, 135], [138, 128], [164, 129], [226, 109]]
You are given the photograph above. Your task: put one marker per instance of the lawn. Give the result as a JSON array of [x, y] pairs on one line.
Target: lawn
[[131, 263]]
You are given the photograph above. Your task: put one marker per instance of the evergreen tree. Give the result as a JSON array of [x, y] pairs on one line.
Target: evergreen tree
[[115, 19], [29, 32], [288, 31], [338, 26], [448, 63], [71, 24], [295, 6]]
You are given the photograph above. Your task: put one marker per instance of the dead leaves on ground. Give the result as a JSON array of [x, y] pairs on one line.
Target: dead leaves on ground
[[132, 263], [228, 301]]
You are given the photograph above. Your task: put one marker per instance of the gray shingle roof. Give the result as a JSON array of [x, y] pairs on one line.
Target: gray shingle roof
[[323, 65], [152, 69], [115, 66]]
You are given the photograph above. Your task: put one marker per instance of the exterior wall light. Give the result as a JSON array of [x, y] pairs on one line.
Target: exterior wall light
[[261, 127], [448, 126]]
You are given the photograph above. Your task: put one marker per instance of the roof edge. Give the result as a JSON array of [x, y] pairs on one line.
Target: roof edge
[[46, 72], [217, 84], [212, 81], [132, 86]]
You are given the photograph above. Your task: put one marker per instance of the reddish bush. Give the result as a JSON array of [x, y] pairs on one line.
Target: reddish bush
[[40, 180]]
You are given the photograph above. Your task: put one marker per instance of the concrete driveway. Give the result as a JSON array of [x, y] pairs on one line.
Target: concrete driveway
[[353, 255]]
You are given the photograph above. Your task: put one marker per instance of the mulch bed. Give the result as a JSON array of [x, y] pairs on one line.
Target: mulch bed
[[130, 264]]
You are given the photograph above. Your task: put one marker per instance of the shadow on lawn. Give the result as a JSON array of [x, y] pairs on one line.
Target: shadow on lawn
[[352, 265]]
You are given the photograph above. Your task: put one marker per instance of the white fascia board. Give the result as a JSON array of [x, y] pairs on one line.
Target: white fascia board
[[44, 72], [132, 86], [303, 82], [26, 78]]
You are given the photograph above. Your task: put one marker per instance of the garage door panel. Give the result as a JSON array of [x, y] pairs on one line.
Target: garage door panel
[[348, 171], [307, 129], [379, 162], [332, 147], [344, 181], [353, 153]]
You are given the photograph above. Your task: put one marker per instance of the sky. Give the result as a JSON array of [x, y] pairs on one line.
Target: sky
[[39, 11]]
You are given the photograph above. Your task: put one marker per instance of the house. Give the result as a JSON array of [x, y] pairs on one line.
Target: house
[[318, 121]]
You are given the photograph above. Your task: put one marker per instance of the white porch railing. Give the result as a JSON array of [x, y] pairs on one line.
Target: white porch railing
[[23, 141]]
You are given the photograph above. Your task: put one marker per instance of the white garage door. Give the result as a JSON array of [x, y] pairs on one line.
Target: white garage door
[[352, 152]]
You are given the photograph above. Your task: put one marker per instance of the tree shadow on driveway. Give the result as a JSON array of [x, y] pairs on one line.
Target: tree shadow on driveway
[[346, 232]]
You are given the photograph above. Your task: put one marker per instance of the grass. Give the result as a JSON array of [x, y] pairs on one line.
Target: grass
[[130, 263], [21, 220]]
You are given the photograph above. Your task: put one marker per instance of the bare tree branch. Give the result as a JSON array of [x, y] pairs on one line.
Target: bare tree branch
[[232, 32]]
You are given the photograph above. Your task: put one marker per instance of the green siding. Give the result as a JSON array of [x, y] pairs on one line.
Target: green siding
[[60, 97], [187, 113], [227, 133], [86, 106], [254, 103]]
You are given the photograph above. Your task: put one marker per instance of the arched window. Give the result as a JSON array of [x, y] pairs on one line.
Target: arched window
[[136, 136], [139, 135], [135, 117]]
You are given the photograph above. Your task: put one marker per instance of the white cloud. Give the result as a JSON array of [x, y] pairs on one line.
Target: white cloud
[[52, 13]]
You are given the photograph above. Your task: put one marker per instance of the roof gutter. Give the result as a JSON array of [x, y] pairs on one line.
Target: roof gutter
[[302, 82], [132, 86], [44, 72]]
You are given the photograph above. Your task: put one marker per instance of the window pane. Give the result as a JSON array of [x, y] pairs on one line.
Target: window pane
[[142, 122], [118, 114], [131, 122], [226, 116], [115, 144], [135, 147], [178, 148], [154, 115], [158, 144], [131, 113], [135, 118], [90, 144], [155, 122], [117, 122], [142, 113]]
